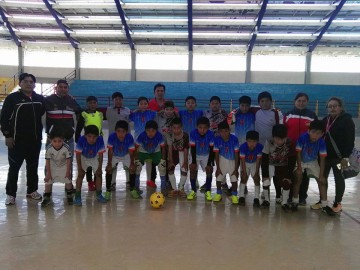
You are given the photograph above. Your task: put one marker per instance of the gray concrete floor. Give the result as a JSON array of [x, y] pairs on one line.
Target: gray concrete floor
[[128, 234]]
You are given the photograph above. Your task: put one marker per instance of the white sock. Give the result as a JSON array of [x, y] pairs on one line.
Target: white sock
[[324, 203], [172, 180], [295, 200], [183, 179], [242, 190], [266, 194], [285, 195], [257, 192]]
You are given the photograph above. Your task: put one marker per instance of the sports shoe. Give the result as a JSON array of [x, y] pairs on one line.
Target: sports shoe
[[192, 195], [77, 201], [113, 187], [302, 202], [328, 210], [107, 195], [234, 199], [10, 200], [246, 191], [294, 207], [256, 202], [172, 193], [217, 197], [135, 194], [203, 187], [91, 186], [139, 191], [46, 201], [278, 200], [70, 199], [34, 195], [208, 196], [337, 207], [316, 206], [242, 201], [286, 207], [265, 205], [182, 193], [150, 183], [100, 198]]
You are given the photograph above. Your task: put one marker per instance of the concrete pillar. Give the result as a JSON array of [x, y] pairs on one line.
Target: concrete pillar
[[20, 59], [307, 79], [190, 67], [77, 64], [133, 65], [248, 67]]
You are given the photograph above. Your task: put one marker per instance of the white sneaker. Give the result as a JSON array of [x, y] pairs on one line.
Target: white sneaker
[[10, 200], [34, 195]]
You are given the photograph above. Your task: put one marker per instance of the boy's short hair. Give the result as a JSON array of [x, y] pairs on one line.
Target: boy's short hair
[[190, 97], [62, 81], [264, 94], [151, 124], [91, 98], [203, 121], [168, 104], [142, 98], [317, 125], [223, 125], [280, 131], [176, 121], [91, 129], [245, 100], [122, 124], [299, 95], [117, 94], [56, 132], [159, 85], [22, 76], [215, 98], [252, 135]]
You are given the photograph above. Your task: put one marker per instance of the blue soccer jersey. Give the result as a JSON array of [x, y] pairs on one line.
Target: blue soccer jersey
[[202, 143], [90, 150], [310, 150], [189, 119], [121, 148], [227, 149], [249, 155], [150, 145], [243, 123], [140, 118]]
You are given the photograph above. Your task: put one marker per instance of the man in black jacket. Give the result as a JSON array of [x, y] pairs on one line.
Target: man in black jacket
[[21, 125]]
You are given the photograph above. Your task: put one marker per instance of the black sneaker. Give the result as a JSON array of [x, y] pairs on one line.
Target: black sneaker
[[294, 207], [256, 203], [246, 190], [302, 202], [46, 201], [242, 201], [265, 205], [70, 199], [328, 211], [286, 208]]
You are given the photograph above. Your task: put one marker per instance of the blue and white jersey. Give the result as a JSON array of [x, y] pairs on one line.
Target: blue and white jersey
[[244, 122], [121, 148], [189, 119], [150, 145], [249, 155], [140, 118], [90, 150], [310, 150], [202, 143], [227, 149]]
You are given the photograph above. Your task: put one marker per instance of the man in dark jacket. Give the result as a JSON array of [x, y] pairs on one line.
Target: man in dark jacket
[[22, 128]]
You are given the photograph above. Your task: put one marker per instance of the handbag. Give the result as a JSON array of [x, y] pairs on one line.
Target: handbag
[[354, 161]]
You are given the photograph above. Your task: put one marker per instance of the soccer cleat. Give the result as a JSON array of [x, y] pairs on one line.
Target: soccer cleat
[[242, 201], [113, 187], [234, 199], [70, 199], [100, 198], [265, 205], [286, 207], [151, 184], [46, 201], [139, 191], [107, 195], [34, 195], [316, 206], [91, 186], [328, 210], [337, 207], [10, 200], [182, 193], [208, 196], [278, 200], [256, 202], [135, 194], [217, 198], [294, 207], [77, 201], [192, 195], [302, 202]]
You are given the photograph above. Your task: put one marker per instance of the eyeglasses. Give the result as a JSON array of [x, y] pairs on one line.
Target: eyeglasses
[[332, 106]]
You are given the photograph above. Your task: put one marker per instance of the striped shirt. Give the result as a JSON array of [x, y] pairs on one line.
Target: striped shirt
[[140, 118], [189, 119], [310, 150], [202, 143], [215, 119], [121, 148], [227, 149], [250, 155], [90, 150], [150, 145]]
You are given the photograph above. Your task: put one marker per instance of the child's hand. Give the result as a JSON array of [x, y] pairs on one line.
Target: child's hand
[[218, 172], [108, 168]]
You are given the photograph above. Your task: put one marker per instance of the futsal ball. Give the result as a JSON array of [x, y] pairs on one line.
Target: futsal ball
[[157, 200]]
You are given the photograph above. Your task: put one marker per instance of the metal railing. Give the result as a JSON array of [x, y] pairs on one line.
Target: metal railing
[[10, 84], [69, 78]]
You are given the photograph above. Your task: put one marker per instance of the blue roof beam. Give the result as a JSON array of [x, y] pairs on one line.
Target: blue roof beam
[[9, 27], [125, 25], [312, 45], [254, 32], [190, 25], [74, 43]]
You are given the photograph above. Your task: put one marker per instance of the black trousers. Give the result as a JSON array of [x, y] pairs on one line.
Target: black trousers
[[28, 151]]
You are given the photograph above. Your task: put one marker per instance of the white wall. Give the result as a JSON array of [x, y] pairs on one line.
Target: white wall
[[161, 75], [105, 74], [335, 78], [277, 77], [47, 74], [8, 71], [218, 76]]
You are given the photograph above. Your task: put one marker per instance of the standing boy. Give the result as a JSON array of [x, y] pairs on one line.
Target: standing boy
[[190, 116]]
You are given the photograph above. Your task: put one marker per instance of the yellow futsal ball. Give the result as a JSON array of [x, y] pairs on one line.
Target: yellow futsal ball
[[157, 200]]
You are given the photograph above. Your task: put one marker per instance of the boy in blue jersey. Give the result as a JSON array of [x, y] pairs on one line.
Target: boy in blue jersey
[[310, 147], [250, 160], [121, 148], [201, 143], [89, 153], [226, 148], [190, 116], [150, 145]]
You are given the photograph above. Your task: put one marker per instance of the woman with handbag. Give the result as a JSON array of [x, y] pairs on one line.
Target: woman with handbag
[[339, 138]]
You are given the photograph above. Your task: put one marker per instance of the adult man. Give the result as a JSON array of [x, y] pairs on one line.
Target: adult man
[[22, 128], [157, 103]]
